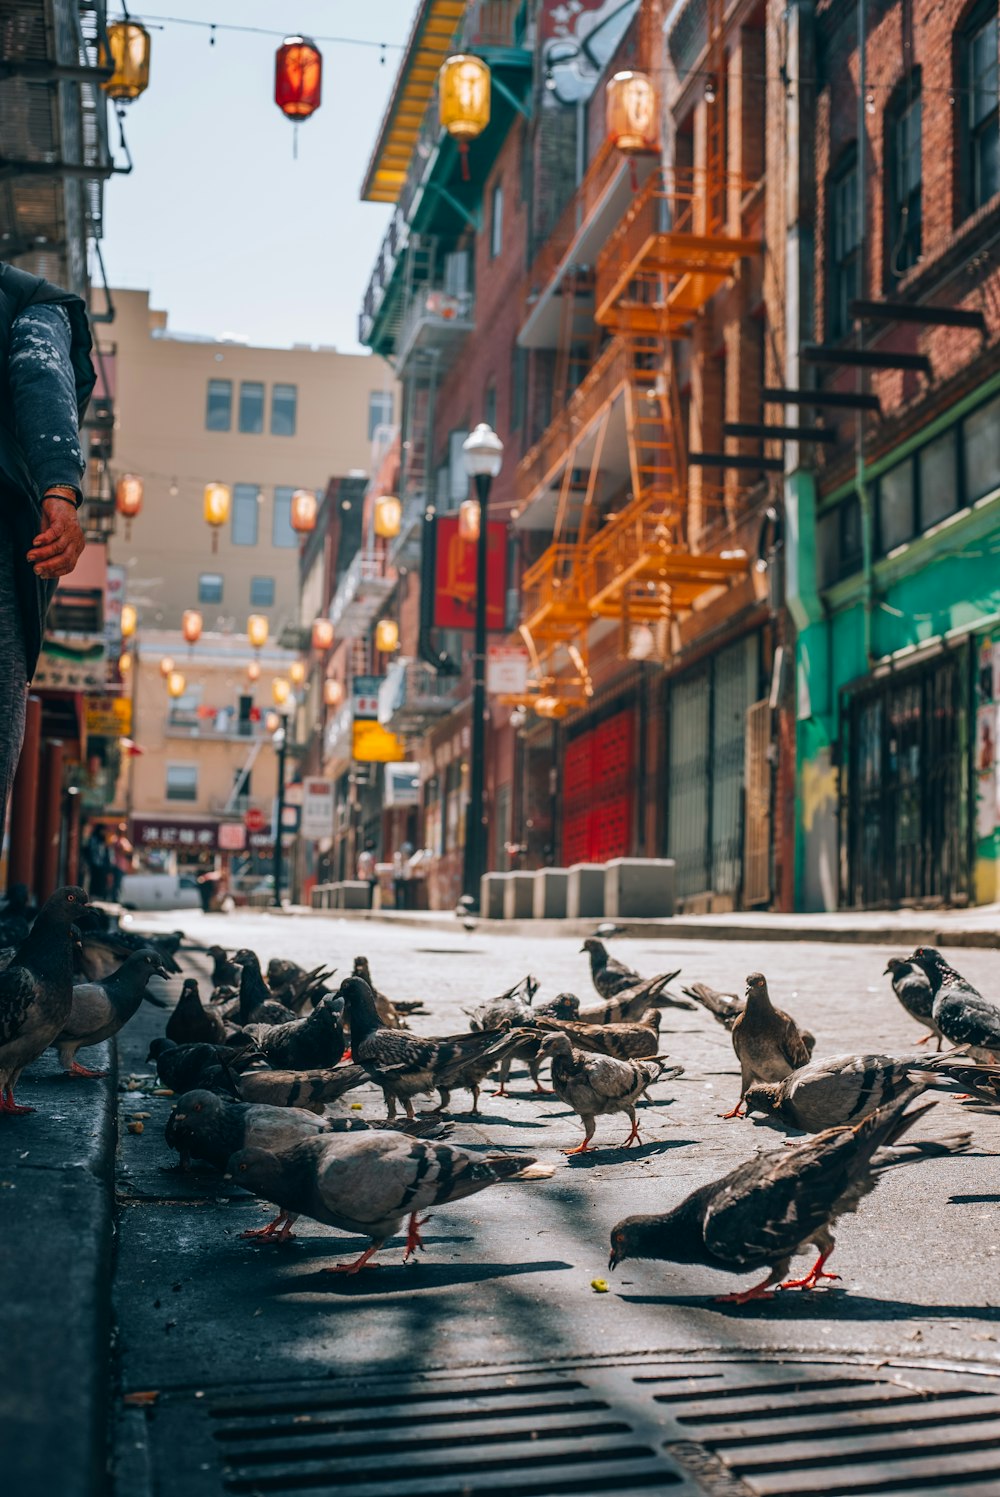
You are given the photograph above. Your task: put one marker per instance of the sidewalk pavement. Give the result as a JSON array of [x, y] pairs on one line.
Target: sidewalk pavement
[[978, 925]]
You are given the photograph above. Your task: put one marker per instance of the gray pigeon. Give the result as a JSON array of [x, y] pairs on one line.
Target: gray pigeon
[[36, 990], [610, 976], [594, 1085], [309, 1089], [768, 1042], [100, 1009], [960, 1011], [912, 987], [303, 1044], [629, 1004], [370, 1183]]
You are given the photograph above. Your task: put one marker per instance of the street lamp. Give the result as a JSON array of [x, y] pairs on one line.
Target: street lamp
[[482, 452], [280, 741]]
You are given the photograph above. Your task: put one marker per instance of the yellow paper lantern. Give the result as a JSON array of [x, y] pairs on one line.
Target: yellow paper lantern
[[218, 498], [129, 45], [280, 691], [632, 113], [322, 634], [388, 516], [386, 636], [469, 519], [464, 96], [124, 664], [305, 507], [130, 621], [272, 721], [191, 625], [257, 630], [166, 666], [128, 499], [297, 672], [176, 684], [333, 692], [253, 670]]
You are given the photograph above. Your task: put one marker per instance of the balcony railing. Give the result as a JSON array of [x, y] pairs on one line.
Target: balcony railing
[[539, 464], [607, 162], [435, 318], [220, 725], [413, 695], [360, 594]]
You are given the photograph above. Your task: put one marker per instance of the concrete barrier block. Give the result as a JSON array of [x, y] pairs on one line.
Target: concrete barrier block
[[354, 894], [491, 887], [519, 896], [585, 891], [639, 888], [550, 893]]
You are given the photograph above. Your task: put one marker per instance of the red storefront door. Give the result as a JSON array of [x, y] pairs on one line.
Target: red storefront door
[[597, 785]]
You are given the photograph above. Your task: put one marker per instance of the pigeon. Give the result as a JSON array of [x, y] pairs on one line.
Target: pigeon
[[774, 1206], [471, 1074], [309, 1089], [912, 987], [607, 929], [191, 1023], [181, 1068], [562, 1006], [225, 972], [632, 1003], [297, 988], [312, 1043], [610, 976], [36, 991], [101, 1009], [511, 1008], [960, 1012], [371, 1182], [256, 1006], [623, 1041], [768, 1043], [846, 1088], [400, 1063], [206, 1126], [597, 1084], [724, 1007], [384, 1007], [105, 950]]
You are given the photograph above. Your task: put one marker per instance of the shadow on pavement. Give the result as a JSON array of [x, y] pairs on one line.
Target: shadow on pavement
[[794, 1304], [618, 1154], [400, 1278]]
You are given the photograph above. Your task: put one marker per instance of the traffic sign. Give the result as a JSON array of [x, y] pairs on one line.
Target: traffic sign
[[254, 821]]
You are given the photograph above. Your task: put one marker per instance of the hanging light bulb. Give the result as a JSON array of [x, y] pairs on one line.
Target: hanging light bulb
[[176, 684], [464, 101], [631, 113], [125, 664], [253, 670], [469, 519], [386, 636], [388, 516], [128, 499], [191, 625], [709, 90], [272, 721], [257, 630], [218, 498], [166, 666], [280, 691], [130, 620], [322, 634], [297, 672], [129, 45], [305, 507], [333, 692]]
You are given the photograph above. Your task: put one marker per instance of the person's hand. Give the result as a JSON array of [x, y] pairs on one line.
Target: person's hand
[[57, 550]]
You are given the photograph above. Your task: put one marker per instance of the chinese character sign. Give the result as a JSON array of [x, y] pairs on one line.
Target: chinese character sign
[[455, 576]]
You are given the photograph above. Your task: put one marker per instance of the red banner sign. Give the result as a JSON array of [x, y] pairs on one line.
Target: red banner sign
[[455, 576]]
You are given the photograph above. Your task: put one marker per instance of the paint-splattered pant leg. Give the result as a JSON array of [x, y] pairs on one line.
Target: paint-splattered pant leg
[[13, 669]]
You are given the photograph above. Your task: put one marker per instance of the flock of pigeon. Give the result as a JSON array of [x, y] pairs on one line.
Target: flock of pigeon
[[259, 1067]]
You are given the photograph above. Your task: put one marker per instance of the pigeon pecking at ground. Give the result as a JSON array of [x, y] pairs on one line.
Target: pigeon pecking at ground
[[776, 1205], [371, 1182], [846, 1088], [637, 1041], [181, 1068], [960, 1011], [101, 1009], [36, 991], [312, 1043], [767, 1041], [191, 1023], [631, 1003], [594, 1085], [912, 987]]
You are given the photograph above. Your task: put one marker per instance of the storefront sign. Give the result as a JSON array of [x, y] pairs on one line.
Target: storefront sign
[[72, 663], [402, 785], [373, 744], [108, 717], [455, 575], [151, 831], [232, 836], [364, 690], [317, 808], [507, 670]]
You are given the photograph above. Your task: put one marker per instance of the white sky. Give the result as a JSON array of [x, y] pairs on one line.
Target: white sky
[[227, 231]]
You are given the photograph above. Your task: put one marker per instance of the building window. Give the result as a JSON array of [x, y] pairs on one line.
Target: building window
[[251, 407], [903, 221], [210, 587], [379, 410], [262, 592], [897, 517], [839, 542], [490, 405], [182, 782], [219, 405], [981, 117], [496, 220], [245, 514], [282, 533], [937, 466], [981, 451], [284, 399], [845, 243]]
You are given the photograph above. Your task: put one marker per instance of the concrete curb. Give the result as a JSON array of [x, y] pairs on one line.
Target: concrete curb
[[57, 1173]]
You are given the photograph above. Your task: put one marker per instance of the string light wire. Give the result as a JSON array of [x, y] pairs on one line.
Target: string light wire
[[214, 26]]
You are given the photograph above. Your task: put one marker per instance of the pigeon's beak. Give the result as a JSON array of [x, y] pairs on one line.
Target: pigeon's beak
[[583, 948], [886, 971], [163, 972], [613, 1260]]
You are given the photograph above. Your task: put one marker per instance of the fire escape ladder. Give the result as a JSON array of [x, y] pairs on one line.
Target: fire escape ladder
[[650, 426], [579, 336]]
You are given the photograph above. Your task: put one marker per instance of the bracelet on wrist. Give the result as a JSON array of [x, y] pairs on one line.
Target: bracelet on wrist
[[64, 492]]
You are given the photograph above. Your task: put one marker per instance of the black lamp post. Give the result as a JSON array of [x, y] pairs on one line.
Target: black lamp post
[[280, 741], [483, 454]]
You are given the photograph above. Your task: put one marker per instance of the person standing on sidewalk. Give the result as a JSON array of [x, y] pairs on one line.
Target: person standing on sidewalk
[[46, 380], [366, 871]]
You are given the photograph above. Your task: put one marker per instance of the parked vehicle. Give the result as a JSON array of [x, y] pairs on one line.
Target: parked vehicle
[[160, 891]]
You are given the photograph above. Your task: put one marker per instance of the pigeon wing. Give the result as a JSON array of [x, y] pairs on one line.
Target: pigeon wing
[[17, 993], [793, 1044]]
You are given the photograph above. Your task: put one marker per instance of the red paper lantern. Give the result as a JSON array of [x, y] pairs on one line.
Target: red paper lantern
[[298, 77]]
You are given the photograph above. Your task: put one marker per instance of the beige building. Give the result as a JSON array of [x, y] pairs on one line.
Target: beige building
[[263, 421]]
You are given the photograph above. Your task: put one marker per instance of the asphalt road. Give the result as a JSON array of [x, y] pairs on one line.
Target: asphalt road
[[507, 1276]]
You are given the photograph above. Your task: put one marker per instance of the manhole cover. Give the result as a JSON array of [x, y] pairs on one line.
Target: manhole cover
[[721, 1428]]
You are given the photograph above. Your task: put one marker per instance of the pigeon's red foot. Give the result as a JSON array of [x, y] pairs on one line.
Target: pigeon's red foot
[[8, 1105], [542, 1091], [633, 1137], [413, 1237], [583, 1148], [502, 1091], [812, 1278], [358, 1263], [737, 1111], [346, 1057], [76, 1069], [270, 1233], [925, 1037], [744, 1296]]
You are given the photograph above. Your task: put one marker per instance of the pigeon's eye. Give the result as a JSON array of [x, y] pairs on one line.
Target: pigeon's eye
[[197, 1107]]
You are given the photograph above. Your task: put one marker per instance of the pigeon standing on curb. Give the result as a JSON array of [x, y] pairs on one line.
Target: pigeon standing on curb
[[595, 1085], [960, 1011], [191, 1023], [101, 1009], [767, 1041], [912, 987], [773, 1207], [36, 991]]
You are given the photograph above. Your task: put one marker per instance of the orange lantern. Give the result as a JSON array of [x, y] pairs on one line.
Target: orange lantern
[[298, 78], [128, 499], [322, 634], [305, 507], [191, 625], [333, 692], [129, 45], [386, 636], [125, 664], [631, 113], [297, 672], [218, 498], [166, 666], [388, 516], [176, 684], [280, 691], [130, 620], [464, 101], [257, 630], [272, 721], [469, 520], [253, 670]]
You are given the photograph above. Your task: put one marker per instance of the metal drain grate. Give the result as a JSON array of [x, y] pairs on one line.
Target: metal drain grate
[[721, 1428]]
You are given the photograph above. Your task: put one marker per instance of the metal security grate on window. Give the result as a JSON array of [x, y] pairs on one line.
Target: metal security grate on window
[[777, 1428]]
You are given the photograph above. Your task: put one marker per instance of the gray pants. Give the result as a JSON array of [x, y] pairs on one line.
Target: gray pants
[[13, 667]]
